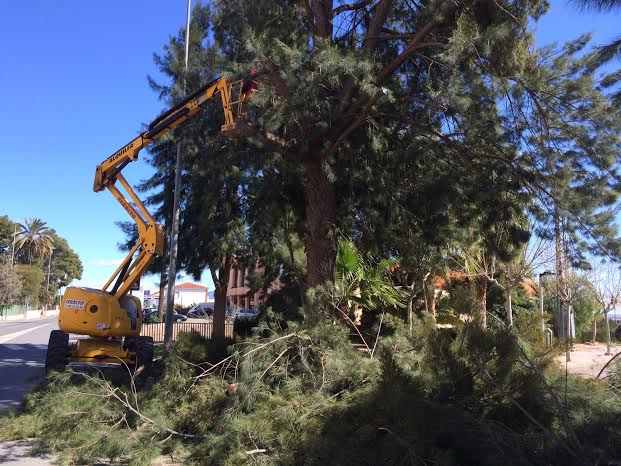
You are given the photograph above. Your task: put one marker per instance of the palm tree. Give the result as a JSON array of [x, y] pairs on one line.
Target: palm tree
[[598, 5], [362, 283], [612, 50], [36, 237]]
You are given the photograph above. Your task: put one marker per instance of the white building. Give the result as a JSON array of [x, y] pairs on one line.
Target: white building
[[186, 294]]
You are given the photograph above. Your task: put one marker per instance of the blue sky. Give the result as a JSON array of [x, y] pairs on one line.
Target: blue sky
[[73, 89]]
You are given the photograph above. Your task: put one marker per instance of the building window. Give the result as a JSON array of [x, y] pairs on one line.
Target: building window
[[234, 278]]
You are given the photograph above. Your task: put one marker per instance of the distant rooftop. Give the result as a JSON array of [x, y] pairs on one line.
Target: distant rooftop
[[184, 287]]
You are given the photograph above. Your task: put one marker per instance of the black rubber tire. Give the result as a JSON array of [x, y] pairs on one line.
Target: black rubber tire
[[129, 344], [57, 355], [144, 353]]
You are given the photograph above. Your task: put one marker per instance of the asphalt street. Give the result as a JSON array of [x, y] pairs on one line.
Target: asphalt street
[[22, 355]]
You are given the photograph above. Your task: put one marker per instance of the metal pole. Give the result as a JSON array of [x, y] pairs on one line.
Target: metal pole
[[13, 250], [187, 36], [570, 319], [172, 264], [47, 285]]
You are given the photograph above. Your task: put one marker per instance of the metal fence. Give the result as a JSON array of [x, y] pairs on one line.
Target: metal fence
[[156, 331]]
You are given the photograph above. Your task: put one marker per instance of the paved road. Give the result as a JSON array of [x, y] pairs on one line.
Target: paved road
[[22, 356], [17, 453]]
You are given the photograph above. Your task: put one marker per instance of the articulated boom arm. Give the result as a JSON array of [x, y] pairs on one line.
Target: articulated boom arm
[[150, 234]]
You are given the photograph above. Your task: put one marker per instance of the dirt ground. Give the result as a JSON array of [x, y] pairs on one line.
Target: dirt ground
[[588, 360]]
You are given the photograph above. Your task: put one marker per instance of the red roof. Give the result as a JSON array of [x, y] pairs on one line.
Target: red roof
[[184, 286], [190, 286]]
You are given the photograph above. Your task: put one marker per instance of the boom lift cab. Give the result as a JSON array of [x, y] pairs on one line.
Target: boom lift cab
[[111, 317]]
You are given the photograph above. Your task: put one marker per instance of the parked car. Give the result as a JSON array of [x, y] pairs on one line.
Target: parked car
[[150, 315], [246, 314], [201, 311]]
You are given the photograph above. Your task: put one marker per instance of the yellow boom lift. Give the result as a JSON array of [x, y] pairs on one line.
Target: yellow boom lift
[[111, 317]]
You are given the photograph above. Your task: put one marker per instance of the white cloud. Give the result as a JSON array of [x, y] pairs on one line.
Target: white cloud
[[106, 262]]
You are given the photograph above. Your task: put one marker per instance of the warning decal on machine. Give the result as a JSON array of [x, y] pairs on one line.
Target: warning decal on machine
[[74, 303]]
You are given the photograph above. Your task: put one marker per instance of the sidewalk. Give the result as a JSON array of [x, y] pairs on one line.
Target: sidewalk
[[588, 360], [16, 453]]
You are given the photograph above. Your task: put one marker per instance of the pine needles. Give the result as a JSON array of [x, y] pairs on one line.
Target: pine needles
[[305, 395]]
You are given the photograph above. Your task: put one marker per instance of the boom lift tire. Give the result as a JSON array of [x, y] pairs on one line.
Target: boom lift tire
[[57, 351], [144, 353]]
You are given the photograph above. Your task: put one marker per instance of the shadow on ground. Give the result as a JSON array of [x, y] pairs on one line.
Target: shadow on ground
[[21, 369], [18, 452]]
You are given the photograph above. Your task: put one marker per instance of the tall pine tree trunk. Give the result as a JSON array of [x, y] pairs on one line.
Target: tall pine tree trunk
[[594, 329], [321, 245], [219, 317], [221, 283]]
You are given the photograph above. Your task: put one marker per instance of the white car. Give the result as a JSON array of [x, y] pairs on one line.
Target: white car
[[246, 314]]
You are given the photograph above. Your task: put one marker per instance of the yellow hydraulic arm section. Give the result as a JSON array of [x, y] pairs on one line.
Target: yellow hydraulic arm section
[[150, 234]]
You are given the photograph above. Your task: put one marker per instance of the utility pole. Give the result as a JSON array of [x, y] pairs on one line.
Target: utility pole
[[567, 292], [174, 237], [47, 285]]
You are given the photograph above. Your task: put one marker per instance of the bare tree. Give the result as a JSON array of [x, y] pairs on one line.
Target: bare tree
[[606, 281], [481, 269], [531, 256], [484, 267]]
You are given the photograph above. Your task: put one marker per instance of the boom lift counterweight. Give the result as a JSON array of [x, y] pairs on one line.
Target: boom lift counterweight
[[111, 317]]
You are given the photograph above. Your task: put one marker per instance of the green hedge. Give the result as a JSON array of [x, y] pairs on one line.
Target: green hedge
[[11, 311]]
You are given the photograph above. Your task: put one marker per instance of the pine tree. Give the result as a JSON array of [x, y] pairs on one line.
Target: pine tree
[[341, 83]]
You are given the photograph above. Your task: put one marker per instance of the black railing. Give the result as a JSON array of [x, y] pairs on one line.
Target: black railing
[[156, 330]]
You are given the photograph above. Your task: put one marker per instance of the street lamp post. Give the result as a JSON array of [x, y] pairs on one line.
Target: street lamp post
[[543, 322]]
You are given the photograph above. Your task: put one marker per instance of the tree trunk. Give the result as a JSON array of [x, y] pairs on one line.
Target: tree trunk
[[481, 291], [221, 283], [430, 298], [607, 333], [219, 317], [509, 308], [161, 304], [594, 327], [320, 220]]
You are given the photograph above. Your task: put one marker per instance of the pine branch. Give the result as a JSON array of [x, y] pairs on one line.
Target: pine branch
[[350, 7], [377, 23], [323, 20], [310, 20], [359, 114], [414, 44]]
